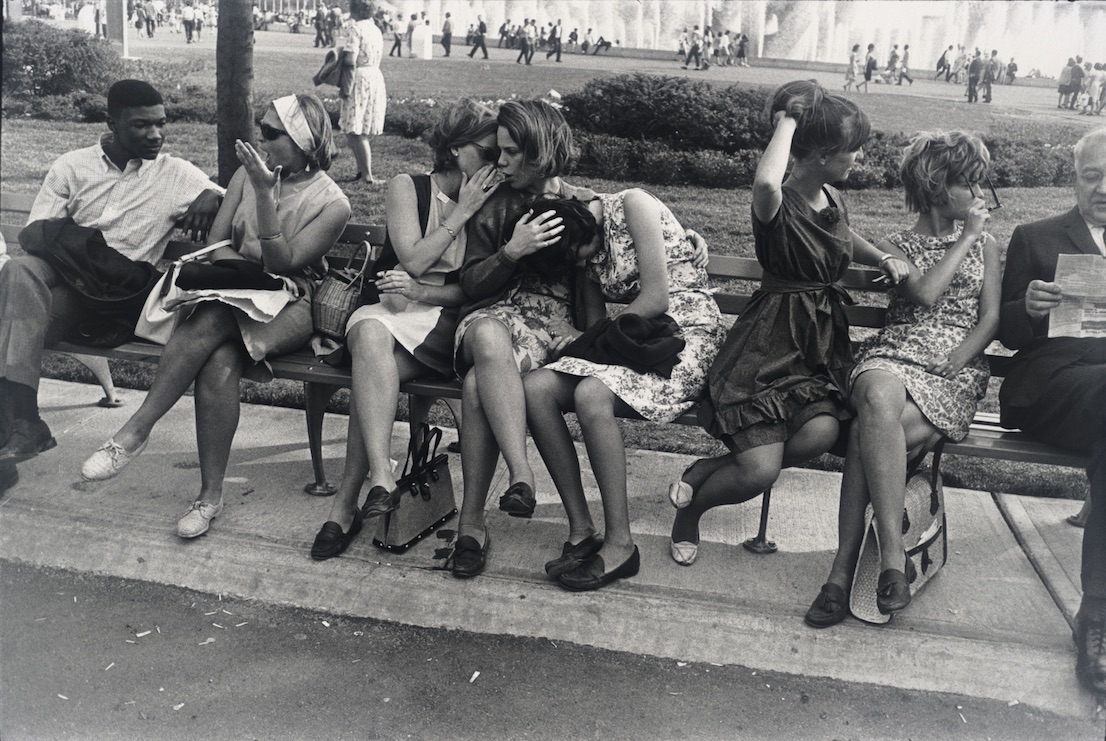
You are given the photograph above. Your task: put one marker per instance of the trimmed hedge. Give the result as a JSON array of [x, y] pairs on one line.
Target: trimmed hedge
[[40, 60]]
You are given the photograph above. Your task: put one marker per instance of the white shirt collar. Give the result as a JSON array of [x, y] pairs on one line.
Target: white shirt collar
[[1097, 235]]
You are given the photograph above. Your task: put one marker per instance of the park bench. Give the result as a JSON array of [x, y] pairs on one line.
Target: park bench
[[734, 279]]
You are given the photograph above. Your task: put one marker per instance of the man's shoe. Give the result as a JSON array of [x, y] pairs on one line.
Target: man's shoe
[[27, 440], [197, 520], [1090, 647], [108, 460]]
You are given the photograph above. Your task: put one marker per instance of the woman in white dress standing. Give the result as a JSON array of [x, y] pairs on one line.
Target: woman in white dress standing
[[362, 113]]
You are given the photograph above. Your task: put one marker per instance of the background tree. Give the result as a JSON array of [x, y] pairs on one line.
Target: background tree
[[233, 82]]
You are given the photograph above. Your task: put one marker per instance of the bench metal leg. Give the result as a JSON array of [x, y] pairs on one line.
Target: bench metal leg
[[760, 544], [316, 396]]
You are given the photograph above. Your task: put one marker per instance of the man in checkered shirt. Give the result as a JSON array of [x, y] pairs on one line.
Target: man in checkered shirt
[[135, 195]]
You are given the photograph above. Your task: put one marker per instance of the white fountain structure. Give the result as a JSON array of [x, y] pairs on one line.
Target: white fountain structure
[[1039, 34]]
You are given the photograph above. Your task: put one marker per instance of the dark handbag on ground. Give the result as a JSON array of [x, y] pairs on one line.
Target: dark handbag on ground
[[339, 294], [925, 537], [423, 496]]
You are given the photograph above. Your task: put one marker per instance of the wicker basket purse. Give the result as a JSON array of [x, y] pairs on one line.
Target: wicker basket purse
[[339, 294]]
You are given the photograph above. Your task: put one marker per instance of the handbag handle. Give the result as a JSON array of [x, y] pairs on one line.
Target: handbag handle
[[358, 280], [419, 451]]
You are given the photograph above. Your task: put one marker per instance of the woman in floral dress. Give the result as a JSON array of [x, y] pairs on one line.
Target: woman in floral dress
[[641, 256], [362, 113], [923, 374]]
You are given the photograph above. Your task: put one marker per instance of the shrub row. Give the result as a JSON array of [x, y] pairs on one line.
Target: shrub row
[[657, 130]]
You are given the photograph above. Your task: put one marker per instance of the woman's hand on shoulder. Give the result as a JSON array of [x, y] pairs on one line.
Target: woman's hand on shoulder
[[534, 232], [475, 191]]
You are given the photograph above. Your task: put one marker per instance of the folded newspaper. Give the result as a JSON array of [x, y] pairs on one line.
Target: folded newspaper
[[1082, 310]]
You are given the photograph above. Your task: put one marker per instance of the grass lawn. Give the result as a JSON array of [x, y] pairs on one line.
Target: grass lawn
[[286, 62]]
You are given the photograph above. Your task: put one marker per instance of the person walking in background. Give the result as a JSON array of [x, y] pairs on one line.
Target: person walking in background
[[694, 41], [992, 70], [1063, 87], [505, 33], [524, 41], [1078, 76], [870, 65], [586, 44], [853, 69], [573, 40], [447, 33], [904, 65], [1096, 86], [1055, 389], [555, 40], [362, 112], [409, 36], [892, 70], [1011, 71], [944, 64], [921, 377], [478, 39], [776, 391], [975, 69], [743, 51]]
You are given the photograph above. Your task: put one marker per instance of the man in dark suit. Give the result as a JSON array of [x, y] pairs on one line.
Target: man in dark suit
[[1056, 389]]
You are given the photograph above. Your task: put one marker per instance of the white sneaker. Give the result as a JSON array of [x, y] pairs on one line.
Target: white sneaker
[[198, 519], [108, 461]]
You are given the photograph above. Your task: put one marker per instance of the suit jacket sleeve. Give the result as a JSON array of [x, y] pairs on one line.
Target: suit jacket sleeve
[[1016, 329]]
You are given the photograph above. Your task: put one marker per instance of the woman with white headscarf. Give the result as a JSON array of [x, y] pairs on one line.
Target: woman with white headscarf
[[283, 212]]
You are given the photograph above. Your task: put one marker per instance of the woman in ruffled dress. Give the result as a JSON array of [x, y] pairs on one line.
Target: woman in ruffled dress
[[776, 389], [921, 377], [362, 112]]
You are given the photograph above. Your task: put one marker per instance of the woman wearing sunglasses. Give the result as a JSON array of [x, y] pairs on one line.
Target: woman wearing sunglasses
[[283, 212], [921, 377], [409, 332]]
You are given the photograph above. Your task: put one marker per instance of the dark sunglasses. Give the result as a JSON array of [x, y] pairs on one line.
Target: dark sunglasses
[[489, 154], [269, 133]]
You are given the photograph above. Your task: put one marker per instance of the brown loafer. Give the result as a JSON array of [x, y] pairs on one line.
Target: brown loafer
[[573, 556]]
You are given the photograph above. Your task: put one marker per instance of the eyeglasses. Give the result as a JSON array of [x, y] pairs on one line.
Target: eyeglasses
[[489, 154], [269, 133], [997, 204]]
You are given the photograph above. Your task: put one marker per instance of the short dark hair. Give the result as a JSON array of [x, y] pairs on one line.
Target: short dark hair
[[541, 132], [463, 123], [132, 94], [826, 123]]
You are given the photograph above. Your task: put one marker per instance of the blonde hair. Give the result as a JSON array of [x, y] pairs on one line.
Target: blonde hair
[[933, 160], [318, 120]]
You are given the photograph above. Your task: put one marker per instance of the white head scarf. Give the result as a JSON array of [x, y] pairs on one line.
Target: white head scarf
[[290, 113]]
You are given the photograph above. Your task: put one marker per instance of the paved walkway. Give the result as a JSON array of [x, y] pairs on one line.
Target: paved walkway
[[994, 624]]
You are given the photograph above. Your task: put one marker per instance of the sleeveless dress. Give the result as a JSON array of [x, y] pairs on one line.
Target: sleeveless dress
[[363, 111], [300, 200], [615, 269], [916, 334], [786, 358], [424, 330]]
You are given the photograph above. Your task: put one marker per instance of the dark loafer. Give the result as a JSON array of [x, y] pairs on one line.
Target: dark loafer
[[469, 558], [27, 440], [519, 501], [573, 556], [331, 541], [591, 575], [1090, 648], [379, 502], [893, 589], [830, 607]]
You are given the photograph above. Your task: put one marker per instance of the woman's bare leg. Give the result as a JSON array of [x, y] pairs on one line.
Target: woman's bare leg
[[217, 414]]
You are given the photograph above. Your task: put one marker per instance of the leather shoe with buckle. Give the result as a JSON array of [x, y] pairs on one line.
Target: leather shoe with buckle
[[591, 575], [519, 501], [830, 607], [573, 556], [27, 440], [331, 541], [469, 558], [1090, 646]]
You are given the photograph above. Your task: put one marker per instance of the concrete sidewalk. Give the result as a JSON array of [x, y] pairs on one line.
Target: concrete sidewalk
[[994, 624]]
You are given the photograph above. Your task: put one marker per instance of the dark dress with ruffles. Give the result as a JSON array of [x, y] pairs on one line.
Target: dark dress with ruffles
[[786, 358]]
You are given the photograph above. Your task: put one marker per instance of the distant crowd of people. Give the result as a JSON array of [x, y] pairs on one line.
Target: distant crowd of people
[[705, 48], [1082, 87]]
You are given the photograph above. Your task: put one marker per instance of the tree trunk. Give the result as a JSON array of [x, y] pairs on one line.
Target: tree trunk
[[233, 82]]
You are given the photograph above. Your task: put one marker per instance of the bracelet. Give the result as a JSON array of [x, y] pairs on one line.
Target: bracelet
[[278, 235], [886, 256], [451, 232]]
